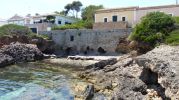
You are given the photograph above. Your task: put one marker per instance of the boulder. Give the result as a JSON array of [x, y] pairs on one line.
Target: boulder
[[5, 60], [130, 88], [17, 52], [22, 52], [46, 46], [88, 93], [163, 61], [101, 64]]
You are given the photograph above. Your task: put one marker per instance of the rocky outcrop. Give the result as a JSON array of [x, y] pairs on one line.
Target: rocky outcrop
[[125, 46], [154, 75], [17, 52], [164, 61], [5, 60], [46, 46]]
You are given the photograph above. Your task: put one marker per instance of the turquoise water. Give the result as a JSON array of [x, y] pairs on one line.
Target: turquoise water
[[35, 81]]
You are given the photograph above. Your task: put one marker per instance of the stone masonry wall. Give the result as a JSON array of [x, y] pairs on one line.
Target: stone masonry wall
[[87, 40], [110, 25]]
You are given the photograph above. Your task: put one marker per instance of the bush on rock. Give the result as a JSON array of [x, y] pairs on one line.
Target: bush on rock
[[153, 28]]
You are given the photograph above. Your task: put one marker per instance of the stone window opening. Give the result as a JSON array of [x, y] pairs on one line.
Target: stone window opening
[[123, 19], [71, 38], [105, 19], [114, 18], [101, 50]]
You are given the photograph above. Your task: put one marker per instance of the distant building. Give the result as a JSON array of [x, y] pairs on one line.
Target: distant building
[[16, 19], [117, 18], [3, 22], [39, 22]]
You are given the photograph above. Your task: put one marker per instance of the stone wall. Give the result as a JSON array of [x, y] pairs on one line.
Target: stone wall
[[40, 26], [110, 25], [87, 40]]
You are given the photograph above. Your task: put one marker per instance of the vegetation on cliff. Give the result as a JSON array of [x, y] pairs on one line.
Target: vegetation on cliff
[[87, 19], [173, 38], [12, 29], [153, 28], [17, 30], [176, 19]]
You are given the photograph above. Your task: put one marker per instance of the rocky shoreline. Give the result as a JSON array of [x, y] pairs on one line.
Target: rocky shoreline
[[18, 52], [154, 75]]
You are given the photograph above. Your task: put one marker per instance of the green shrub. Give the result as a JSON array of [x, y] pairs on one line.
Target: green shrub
[[153, 28], [176, 19], [173, 38], [77, 25], [12, 29]]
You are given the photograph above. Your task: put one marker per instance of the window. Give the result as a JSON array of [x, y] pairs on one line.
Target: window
[[68, 23], [114, 18], [71, 38], [105, 19], [123, 18], [59, 22]]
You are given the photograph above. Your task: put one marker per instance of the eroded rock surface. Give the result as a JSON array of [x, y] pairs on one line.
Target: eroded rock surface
[[154, 75], [17, 52]]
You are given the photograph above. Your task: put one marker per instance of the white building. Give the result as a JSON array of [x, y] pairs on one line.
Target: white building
[[3, 22], [40, 22], [62, 20], [16, 19]]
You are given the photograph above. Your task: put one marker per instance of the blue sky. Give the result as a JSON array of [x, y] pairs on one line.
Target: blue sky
[[23, 7]]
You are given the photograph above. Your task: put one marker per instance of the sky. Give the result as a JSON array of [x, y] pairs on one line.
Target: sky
[[8, 8]]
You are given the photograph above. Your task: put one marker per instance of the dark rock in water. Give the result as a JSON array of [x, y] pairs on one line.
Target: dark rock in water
[[22, 52], [89, 92], [5, 60], [102, 64]]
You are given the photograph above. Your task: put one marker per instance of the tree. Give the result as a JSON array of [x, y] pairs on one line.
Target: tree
[[37, 14], [64, 13], [68, 7], [88, 14], [50, 19], [153, 28], [56, 12], [75, 6]]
